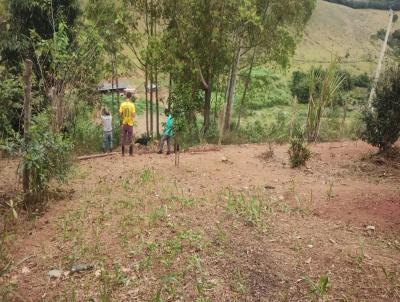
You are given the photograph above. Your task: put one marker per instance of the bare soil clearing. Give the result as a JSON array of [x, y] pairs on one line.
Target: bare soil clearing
[[224, 226]]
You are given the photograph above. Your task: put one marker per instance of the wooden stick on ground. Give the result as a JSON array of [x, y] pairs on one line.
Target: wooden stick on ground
[[85, 157]]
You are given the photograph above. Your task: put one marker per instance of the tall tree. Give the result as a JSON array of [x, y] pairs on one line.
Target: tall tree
[[211, 37], [143, 39], [110, 18], [266, 30]]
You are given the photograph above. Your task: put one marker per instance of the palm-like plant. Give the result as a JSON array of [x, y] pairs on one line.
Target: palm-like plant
[[323, 87]]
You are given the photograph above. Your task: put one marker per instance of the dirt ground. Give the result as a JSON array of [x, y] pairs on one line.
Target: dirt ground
[[228, 225]]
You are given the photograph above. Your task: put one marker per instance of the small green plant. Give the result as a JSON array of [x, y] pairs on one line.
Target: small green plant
[[146, 176], [361, 254], [126, 184], [157, 214], [106, 287], [305, 205], [299, 154], [239, 284], [318, 290], [251, 207]]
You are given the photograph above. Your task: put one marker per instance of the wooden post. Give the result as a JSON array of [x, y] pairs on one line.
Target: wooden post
[[382, 56], [27, 116]]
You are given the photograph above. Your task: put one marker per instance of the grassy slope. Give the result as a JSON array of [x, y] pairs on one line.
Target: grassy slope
[[337, 30]]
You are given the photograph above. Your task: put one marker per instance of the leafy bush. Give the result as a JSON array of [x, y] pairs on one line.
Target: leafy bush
[[362, 80], [11, 145], [11, 98], [298, 151], [47, 156], [383, 121], [299, 86], [301, 81]]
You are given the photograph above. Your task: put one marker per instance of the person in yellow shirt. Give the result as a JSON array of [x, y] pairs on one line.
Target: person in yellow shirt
[[127, 112]]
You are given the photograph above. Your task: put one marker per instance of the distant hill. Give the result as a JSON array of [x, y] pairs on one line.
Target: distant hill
[[336, 30], [370, 4]]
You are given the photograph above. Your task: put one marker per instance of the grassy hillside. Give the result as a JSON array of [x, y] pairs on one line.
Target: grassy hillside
[[338, 30]]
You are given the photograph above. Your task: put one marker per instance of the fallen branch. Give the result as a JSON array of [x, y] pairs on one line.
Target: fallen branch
[[85, 157]]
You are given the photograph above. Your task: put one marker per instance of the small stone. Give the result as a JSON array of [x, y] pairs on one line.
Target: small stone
[[370, 228], [332, 241], [81, 268], [310, 246], [308, 261], [281, 198], [98, 273], [55, 274], [224, 159], [25, 270]]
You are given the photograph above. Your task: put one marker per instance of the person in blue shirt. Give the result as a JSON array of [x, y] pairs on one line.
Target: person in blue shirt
[[168, 133]]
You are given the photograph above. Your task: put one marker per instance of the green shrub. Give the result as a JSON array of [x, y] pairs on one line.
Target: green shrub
[[11, 145], [383, 121], [362, 80], [11, 99], [299, 86], [47, 156], [298, 151]]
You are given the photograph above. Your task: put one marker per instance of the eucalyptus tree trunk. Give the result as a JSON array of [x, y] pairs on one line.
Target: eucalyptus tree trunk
[[246, 87], [157, 105], [231, 87], [116, 79], [151, 102], [157, 93], [147, 99]]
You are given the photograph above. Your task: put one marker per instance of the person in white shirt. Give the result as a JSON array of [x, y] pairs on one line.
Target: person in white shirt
[[106, 119]]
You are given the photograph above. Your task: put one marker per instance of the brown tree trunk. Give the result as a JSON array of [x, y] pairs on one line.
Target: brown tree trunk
[[207, 106], [27, 117]]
